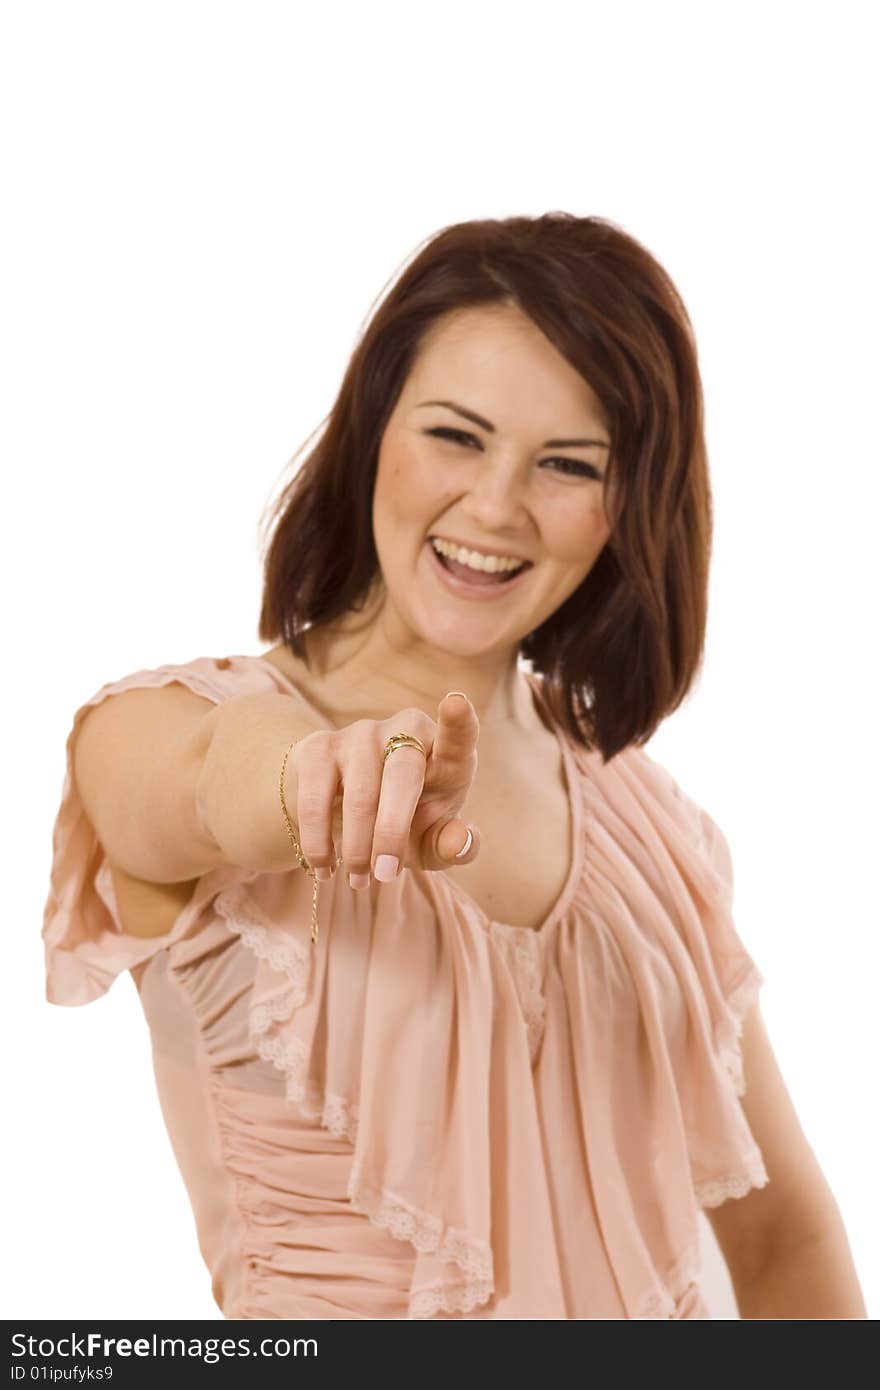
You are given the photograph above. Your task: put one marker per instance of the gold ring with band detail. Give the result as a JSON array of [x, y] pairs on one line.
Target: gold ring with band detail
[[394, 742]]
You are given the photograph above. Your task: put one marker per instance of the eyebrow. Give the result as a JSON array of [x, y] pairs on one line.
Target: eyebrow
[[548, 443]]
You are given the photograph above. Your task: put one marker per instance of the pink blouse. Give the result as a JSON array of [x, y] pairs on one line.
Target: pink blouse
[[431, 1113]]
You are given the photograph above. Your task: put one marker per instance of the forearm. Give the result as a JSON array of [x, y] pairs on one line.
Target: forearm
[[237, 795], [816, 1279]]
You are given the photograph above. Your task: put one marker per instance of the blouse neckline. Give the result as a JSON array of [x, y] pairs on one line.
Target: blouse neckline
[[575, 805]]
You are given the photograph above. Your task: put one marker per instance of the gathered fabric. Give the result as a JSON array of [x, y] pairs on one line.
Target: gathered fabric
[[429, 1113]]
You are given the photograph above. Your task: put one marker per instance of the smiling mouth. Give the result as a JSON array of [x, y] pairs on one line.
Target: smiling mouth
[[481, 578]]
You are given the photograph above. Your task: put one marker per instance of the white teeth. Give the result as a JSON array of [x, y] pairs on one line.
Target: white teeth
[[490, 564]]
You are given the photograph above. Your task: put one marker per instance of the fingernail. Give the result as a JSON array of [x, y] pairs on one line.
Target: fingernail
[[359, 880], [385, 868], [323, 873], [454, 692], [467, 844]]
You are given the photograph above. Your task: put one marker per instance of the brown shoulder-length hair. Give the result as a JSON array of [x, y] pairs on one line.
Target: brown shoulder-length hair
[[622, 651]]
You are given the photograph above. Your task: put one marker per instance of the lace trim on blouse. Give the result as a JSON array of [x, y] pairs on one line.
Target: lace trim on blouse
[[334, 1113]]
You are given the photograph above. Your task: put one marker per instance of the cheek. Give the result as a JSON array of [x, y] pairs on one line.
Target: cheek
[[406, 486], [576, 533]]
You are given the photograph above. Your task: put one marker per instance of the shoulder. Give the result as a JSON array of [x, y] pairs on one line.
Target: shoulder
[[675, 814]]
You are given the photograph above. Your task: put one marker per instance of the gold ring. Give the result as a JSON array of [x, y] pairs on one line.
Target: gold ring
[[404, 741]]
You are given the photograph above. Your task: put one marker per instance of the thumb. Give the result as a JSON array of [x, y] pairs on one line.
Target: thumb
[[450, 839]]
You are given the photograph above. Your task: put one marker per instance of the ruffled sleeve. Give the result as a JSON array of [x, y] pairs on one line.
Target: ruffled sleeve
[[720, 977], [85, 944]]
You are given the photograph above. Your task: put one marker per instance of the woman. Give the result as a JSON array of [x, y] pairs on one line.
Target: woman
[[495, 1047]]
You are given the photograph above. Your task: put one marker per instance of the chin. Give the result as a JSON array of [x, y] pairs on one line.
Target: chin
[[459, 638]]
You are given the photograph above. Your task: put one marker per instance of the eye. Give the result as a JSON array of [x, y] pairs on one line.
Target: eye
[[444, 432], [577, 468]]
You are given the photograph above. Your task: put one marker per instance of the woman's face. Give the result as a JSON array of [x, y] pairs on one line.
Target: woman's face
[[501, 486]]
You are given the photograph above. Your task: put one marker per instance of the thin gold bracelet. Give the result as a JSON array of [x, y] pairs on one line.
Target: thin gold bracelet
[[303, 862]]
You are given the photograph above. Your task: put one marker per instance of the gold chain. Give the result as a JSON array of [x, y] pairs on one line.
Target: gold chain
[[303, 862]]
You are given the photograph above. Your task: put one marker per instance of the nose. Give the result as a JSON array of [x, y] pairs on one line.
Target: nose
[[495, 500]]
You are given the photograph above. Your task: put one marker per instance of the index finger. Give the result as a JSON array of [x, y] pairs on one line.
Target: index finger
[[458, 728]]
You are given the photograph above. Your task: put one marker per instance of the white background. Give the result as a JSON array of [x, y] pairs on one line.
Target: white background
[[203, 201]]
